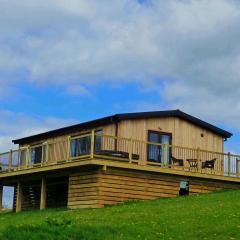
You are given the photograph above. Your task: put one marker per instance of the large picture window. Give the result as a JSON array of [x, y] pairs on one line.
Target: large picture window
[[98, 140], [82, 145], [36, 154]]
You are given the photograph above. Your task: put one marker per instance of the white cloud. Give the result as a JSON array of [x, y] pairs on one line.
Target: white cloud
[[77, 90], [16, 125], [191, 46]]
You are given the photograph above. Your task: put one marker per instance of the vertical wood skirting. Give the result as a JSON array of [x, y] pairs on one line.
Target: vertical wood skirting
[[43, 194], [1, 197], [19, 197]]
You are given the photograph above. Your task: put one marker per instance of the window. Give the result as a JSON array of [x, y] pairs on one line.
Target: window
[[36, 154], [156, 152], [98, 140], [23, 156], [82, 145]]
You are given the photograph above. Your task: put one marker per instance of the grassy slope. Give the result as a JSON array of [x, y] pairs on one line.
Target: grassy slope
[[209, 216]]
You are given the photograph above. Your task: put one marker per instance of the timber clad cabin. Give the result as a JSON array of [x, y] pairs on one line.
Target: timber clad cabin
[[136, 156]]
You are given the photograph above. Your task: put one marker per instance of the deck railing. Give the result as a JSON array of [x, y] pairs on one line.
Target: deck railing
[[89, 146]]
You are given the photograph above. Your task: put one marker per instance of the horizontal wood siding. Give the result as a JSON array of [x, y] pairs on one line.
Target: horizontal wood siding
[[83, 191], [119, 186], [97, 188], [205, 186]]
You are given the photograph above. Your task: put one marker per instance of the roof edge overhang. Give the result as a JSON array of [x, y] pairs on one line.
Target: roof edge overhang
[[125, 116]]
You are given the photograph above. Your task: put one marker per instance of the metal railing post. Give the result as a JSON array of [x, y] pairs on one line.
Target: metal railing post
[[92, 144]]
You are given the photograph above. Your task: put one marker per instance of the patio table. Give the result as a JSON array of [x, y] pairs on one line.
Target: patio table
[[193, 163]]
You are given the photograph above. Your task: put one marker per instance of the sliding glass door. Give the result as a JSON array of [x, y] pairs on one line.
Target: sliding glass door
[[156, 153]]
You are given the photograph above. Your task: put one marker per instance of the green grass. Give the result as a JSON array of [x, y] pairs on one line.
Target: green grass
[[209, 216]]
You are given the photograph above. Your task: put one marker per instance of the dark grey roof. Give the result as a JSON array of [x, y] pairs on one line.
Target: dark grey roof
[[125, 116]]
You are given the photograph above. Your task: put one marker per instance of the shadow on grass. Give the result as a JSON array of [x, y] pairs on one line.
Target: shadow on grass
[[45, 232], [63, 229]]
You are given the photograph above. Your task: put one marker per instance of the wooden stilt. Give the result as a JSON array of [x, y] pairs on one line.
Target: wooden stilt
[[43, 194], [19, 197]]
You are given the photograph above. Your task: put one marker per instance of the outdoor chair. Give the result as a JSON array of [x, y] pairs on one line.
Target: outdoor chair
[[176, 161], [209, 163]]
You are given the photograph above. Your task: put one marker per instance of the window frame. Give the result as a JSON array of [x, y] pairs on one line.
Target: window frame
[[159, 133], [88, 143]]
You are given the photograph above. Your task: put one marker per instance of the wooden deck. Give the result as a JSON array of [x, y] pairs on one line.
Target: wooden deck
[[122, 153]]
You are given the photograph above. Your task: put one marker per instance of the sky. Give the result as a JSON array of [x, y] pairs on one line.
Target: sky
[[68, 61]]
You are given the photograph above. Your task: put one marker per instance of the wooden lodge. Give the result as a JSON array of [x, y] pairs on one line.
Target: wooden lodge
[[136, 156]]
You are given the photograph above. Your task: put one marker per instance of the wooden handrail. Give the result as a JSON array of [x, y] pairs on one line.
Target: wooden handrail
[[134, 148]]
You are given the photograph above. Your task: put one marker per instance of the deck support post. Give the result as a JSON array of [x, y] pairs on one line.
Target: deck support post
[[19, 197], [43, 193], [1, 197], [104, 168]]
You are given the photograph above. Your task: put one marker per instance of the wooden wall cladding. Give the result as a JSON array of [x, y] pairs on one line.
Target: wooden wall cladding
[[184, 133], [94, 189], [83, 190], [119, 185]]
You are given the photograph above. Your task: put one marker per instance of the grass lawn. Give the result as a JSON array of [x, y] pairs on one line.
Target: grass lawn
[[209, 216]]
